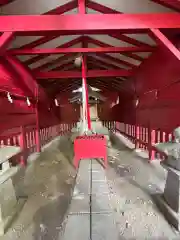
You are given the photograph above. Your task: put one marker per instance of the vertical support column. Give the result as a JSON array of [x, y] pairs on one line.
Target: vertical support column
[[86, 92], [82, 6], [38, 142], [22, 143]]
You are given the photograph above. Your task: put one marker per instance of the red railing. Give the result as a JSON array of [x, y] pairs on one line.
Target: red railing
[[26, 139], [142, 136]]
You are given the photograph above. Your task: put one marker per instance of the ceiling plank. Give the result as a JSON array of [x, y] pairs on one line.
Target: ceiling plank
[[100, 8], [102, 44], [65, 45], [129, 40], [53, 62], [172, 4], [116, 60], [105, 64], [105, 10], [59, 10]]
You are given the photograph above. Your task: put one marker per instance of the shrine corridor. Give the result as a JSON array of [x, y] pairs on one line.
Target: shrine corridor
[[92, 203]]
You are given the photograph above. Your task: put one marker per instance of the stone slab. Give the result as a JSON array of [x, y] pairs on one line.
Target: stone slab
[[5, 224], [79, 204], [171, 216], [6, 152], [100, 204], [77, 228], [103, 227]]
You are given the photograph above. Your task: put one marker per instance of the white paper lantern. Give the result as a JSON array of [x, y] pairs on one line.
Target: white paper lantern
[[78, 61]]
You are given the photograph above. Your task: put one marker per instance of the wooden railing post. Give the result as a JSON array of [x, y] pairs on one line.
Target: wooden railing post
[[38, 142], [151, 141], [137, 133], [22, 143]]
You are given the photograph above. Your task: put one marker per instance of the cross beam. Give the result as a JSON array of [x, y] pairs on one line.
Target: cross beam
[[5, 40], [44, 51], [88, 23], [163, 40], [77, 74]]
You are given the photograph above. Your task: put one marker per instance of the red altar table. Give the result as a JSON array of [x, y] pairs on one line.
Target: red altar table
[[90, 146]]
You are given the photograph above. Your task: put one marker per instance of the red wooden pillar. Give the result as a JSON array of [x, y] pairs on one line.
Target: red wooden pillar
[[86, 90], [22, 143], [38, 142]]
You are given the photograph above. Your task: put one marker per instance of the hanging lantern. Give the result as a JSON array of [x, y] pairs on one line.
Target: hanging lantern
[[9, 98], [136, 102], [78, 61], [56, 102], [28, 102]]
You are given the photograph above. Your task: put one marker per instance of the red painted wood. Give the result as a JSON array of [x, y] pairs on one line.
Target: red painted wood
[[37, 131], [105, 45], [22, 143], [44, 51], [76, 74], [54, 62], [59, 10], [129, 40], [82, 6], [116, 60], [165, 42], [5, 40], [84, 76], [88, 22], [83, 146], [65, 45]]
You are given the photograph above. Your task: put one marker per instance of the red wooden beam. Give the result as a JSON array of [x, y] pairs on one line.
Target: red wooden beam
[[76, 74], [82, 6], [65, 65], [88, 23], [53, 62], [172, 4], [65, 45], [44, 51], [100, 62], [163, 40], [105, 10], [129, 40], [39, 41], [5, 40], [102, 44], [116, 60], [59, 10]]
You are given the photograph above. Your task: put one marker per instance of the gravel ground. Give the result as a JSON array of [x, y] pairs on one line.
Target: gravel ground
[[49, 181], [135, 183]]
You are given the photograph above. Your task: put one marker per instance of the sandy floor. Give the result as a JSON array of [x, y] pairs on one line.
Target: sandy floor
[[49, 182]]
